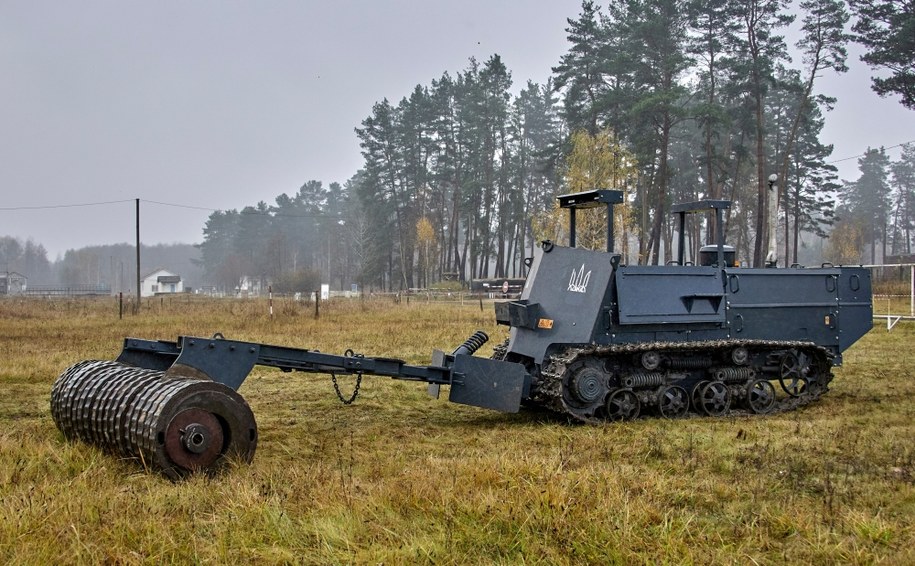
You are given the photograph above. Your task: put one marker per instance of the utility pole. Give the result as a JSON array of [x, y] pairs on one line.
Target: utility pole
[[138, 256]]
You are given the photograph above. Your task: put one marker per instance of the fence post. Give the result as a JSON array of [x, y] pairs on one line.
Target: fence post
[[317, 302]]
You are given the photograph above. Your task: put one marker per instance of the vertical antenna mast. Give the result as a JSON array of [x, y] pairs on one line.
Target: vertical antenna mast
[[772, 255]]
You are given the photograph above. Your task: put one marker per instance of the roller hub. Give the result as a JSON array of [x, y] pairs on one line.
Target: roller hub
[[193, 439]]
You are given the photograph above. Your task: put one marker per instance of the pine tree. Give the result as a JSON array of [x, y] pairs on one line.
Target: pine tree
[[810, 186], [867, 199], [903, 172], [887, 29], [759, 50], [713, 31], [582, 73]]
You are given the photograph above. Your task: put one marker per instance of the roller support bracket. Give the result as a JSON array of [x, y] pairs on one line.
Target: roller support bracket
[[224, 361]]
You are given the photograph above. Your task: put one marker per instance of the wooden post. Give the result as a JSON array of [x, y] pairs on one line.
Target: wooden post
[[138, 258], [317, 302]]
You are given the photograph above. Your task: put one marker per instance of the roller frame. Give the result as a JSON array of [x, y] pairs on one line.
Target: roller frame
[[475, 381]]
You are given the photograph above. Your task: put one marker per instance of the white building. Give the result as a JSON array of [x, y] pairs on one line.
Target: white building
[[161, 282], [12, 283]]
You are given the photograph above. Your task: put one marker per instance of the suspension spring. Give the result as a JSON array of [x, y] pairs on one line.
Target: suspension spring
[[733, 375], [472, 344], [644, 379]]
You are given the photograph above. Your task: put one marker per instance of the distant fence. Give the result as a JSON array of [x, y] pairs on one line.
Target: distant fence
[[892, 307], [67, 290]]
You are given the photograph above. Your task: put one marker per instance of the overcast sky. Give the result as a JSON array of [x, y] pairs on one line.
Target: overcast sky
[[219, 105]]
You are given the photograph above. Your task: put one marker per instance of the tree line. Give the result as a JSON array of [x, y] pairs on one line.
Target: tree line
[[877, 213], [667, 100], [111, 266]]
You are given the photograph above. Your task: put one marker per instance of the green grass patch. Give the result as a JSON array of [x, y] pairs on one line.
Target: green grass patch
[[400, 478]]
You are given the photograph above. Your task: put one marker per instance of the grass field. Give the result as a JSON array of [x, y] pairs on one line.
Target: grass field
[[400, 478]]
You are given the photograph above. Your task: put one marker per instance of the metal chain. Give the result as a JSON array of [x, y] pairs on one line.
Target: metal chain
[[333, 378], [499, 352]]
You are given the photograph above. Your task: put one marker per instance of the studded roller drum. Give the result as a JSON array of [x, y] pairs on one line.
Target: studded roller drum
[[178, 425]]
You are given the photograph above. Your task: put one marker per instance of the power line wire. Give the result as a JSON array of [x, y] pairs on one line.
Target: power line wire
[[271, 213], [274, 213], [863, 154], [50, 206], [180, 205]]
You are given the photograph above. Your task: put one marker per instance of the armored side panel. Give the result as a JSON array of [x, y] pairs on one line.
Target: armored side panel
[[562, 303], [784, 304], [669, 295], [856, 311], [668, 304], [828, 306]]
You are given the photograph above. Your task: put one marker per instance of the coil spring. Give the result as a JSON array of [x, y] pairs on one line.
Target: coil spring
[[644, 379], [732, 375], [472, 344], [690, 363]]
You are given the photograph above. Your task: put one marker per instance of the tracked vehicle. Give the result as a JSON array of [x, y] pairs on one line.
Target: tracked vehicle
[[590, 338], [603, 340]]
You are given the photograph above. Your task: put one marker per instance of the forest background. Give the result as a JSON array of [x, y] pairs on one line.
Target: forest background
[[666, 100]]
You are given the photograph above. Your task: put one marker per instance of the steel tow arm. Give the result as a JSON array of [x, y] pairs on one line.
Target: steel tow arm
[[476, 381]]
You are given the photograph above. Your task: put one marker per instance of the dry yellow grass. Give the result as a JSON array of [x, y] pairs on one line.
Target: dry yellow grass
[[399, 478]]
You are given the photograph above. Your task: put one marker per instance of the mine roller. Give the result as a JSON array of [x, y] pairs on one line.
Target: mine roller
[[590, 339]]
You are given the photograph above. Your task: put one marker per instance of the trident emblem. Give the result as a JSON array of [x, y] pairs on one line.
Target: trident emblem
[[578, 283]]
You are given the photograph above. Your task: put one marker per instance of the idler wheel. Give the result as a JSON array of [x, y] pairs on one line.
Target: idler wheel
[[673, 401], [586, 384], [622, 405], [792, 373]]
